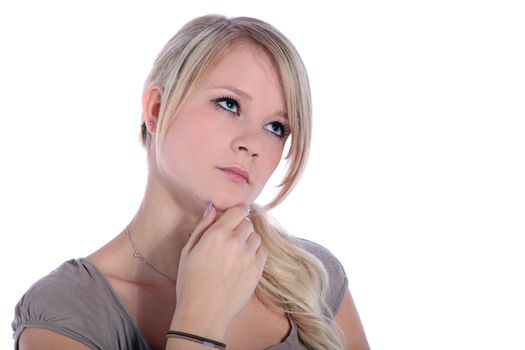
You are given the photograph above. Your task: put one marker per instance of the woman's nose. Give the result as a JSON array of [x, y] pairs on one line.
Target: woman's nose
[[248, 142]]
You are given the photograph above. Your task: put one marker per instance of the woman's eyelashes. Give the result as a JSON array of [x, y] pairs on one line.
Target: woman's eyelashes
[[232, 104], [229, 104], [279, 129]]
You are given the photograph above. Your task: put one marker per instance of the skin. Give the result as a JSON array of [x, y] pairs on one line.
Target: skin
[[213, 252]]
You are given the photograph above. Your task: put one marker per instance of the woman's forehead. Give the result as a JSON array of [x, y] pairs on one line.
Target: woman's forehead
[[246, 70]]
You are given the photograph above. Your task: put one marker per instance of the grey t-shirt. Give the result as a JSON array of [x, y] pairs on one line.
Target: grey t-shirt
[[76, 300]]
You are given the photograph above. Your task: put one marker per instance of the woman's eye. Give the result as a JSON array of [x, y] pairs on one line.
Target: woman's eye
[[276, 128], [228, 104]]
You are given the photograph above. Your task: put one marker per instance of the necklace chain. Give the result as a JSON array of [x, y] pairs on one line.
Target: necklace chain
[[137, 254]]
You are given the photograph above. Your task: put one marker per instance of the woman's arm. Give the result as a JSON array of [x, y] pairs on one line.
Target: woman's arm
[[44, 339], [348, 320]]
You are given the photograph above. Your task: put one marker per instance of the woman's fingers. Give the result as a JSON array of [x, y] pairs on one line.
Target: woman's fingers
[[233, 217], [253, 242], [262, 255], [244, 229], [207, 220], [233, 220]]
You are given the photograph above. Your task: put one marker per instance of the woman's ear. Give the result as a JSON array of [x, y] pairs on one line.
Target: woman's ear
[[151, 108]]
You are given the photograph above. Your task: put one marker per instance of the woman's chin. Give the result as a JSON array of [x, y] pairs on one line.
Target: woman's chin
[[222, 204]]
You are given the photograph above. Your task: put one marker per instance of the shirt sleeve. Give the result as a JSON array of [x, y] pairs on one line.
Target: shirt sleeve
[[49, 304], [338, 281]]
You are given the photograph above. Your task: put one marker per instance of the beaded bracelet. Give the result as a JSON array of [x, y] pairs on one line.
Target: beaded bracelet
[[197, 339]]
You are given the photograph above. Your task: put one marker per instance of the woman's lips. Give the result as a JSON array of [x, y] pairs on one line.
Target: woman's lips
[[238, 175]]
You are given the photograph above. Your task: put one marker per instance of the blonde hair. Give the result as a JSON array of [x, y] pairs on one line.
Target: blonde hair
[[179, 68]]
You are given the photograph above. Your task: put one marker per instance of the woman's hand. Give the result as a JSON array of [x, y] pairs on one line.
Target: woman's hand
[[219, 269]]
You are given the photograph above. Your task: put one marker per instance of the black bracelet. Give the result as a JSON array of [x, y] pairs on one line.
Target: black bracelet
[[195, 338]]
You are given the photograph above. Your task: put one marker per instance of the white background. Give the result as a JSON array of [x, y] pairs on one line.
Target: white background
[[415, 180]]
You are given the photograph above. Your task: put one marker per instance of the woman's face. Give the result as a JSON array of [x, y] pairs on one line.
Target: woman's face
[[228, 137]]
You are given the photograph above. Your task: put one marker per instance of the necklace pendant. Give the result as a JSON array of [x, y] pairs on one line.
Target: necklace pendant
[[137, 254]]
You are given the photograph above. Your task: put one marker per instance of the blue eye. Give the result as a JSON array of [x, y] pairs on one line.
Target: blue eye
[[229, 104], [277, 128]]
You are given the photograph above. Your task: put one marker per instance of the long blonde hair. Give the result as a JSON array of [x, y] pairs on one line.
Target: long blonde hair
[[179, 68]]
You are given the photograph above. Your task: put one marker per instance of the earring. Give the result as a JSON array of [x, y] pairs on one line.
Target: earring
[[151, 122]]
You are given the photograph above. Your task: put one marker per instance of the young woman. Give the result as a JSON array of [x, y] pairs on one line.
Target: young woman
[[200, 265]]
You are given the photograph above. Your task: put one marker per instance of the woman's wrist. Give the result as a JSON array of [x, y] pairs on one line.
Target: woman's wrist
[[182, 344], [208, 327], [194, 338]]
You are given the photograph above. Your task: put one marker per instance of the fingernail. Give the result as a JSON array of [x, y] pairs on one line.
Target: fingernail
[[208, 209]]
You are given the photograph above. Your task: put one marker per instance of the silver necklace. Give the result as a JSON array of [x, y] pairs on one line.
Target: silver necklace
[[137, 254]]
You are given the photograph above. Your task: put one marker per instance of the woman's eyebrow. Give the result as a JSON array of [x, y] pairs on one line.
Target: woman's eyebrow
[[237, 91], [281, 114]]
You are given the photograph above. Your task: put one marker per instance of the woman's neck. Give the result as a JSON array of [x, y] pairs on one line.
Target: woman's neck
[[162, 226]]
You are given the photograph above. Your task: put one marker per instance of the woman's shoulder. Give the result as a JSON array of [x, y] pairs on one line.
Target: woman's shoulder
[[329, 260], [63, 291], [338, 281], [71, 276], [54, 298], [74, 300]]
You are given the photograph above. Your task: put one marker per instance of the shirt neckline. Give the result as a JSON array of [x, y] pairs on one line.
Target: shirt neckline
[[118, 301]]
